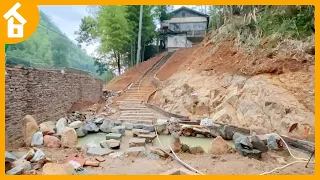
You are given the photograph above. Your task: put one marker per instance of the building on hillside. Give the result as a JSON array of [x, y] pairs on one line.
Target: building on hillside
[[186, 28]]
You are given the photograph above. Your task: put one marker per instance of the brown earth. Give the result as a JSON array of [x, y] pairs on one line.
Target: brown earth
[[132, 74]]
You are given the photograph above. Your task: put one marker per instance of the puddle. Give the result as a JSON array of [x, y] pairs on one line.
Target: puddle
[[190, 141], [95, 138]]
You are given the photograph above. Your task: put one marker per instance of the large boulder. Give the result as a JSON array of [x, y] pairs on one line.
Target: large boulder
[[127, 125], [75, 124], [161, 125], [37, 139], [111, 143], [51, 141], [119, 130], [196, 150], [107, 126], [38, 156], [61, 126], [57, 169], [219, 146], [91, 127], [175, 142], [30, 127], [48, 128], [69, 137], [81, 132]]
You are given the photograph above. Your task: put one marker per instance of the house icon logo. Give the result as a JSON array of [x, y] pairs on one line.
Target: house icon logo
[[15, 30]]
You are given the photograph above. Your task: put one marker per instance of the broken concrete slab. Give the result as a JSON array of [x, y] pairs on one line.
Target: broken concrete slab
[[148, 127], [149, 137], [137, 132], [111, 143], [137, 126], [115, 136], [137, 142], [98, 151], [135, 151]]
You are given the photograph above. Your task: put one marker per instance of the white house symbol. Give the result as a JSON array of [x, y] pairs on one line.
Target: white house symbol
[[10, 15]]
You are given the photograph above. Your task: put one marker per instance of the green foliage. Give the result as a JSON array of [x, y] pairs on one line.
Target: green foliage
[[48, 47], [289, 21]]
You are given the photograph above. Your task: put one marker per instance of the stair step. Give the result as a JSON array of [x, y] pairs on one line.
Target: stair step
[[136, 121], [137, 117]]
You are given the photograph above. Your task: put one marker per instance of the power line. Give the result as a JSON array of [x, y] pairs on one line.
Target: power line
[[54, 31]]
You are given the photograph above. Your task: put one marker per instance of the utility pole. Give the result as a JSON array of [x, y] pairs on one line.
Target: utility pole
[[139, 35]]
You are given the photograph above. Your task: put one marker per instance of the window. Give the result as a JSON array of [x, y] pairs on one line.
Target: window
[[183, 14]]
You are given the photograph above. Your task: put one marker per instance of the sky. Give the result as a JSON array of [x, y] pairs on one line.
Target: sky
[[68, 19]]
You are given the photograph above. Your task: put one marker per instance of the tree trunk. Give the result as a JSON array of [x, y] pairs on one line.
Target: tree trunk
[[142, 54], [132, 54], [118, 61]]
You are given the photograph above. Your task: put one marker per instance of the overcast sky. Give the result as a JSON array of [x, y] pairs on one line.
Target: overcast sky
[[68, 19]]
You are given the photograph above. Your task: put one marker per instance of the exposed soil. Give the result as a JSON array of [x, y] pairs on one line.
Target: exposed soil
[[224, 164], [132, 74], [173, 64]]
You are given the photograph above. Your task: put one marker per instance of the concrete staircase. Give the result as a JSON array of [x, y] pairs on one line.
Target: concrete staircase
[[132, 107]]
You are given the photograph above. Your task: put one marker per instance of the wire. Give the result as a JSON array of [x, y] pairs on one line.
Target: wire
[[54, 31]]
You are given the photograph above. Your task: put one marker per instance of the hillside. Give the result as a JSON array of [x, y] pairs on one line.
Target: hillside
[[48, 47]]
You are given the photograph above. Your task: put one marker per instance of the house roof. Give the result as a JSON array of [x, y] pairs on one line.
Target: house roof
[[188, 9]]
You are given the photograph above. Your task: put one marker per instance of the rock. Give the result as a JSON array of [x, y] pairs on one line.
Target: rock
[[92, 163], [99, 120], [69, 137], [206, 122], [106, 126], [119, 130], [19, 166], [113, 136], [137, 132], [161, 126], [185, 148], [75, 124], [200, 136], [48, 128], [51, 141], [137, 142], [254, 130], [157, 151], [98, 151], [196, 150], [15, 171], [254, 153], [79, 160], [173, 125], [227, 132], [175, 142], [81, 132], [187, 130], [91, 127], [100, 159], [61, 125], [38, 156], [10, 157], [258, 144], [215, 130], [272, 143], [37, 139], [29, 155], [57, 169], [117, 123], [149, 137], [137, 126], [128, 126], [111, 143], [135, 151], [30, 127], [219, 146], [148, 127]]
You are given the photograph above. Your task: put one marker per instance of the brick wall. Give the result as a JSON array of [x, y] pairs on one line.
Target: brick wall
[[46, 95]]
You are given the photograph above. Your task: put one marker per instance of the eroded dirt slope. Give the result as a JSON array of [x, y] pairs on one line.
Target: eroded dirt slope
[[272, 88]]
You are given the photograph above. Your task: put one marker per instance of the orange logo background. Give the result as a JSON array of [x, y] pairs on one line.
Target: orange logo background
[[28, 11]]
